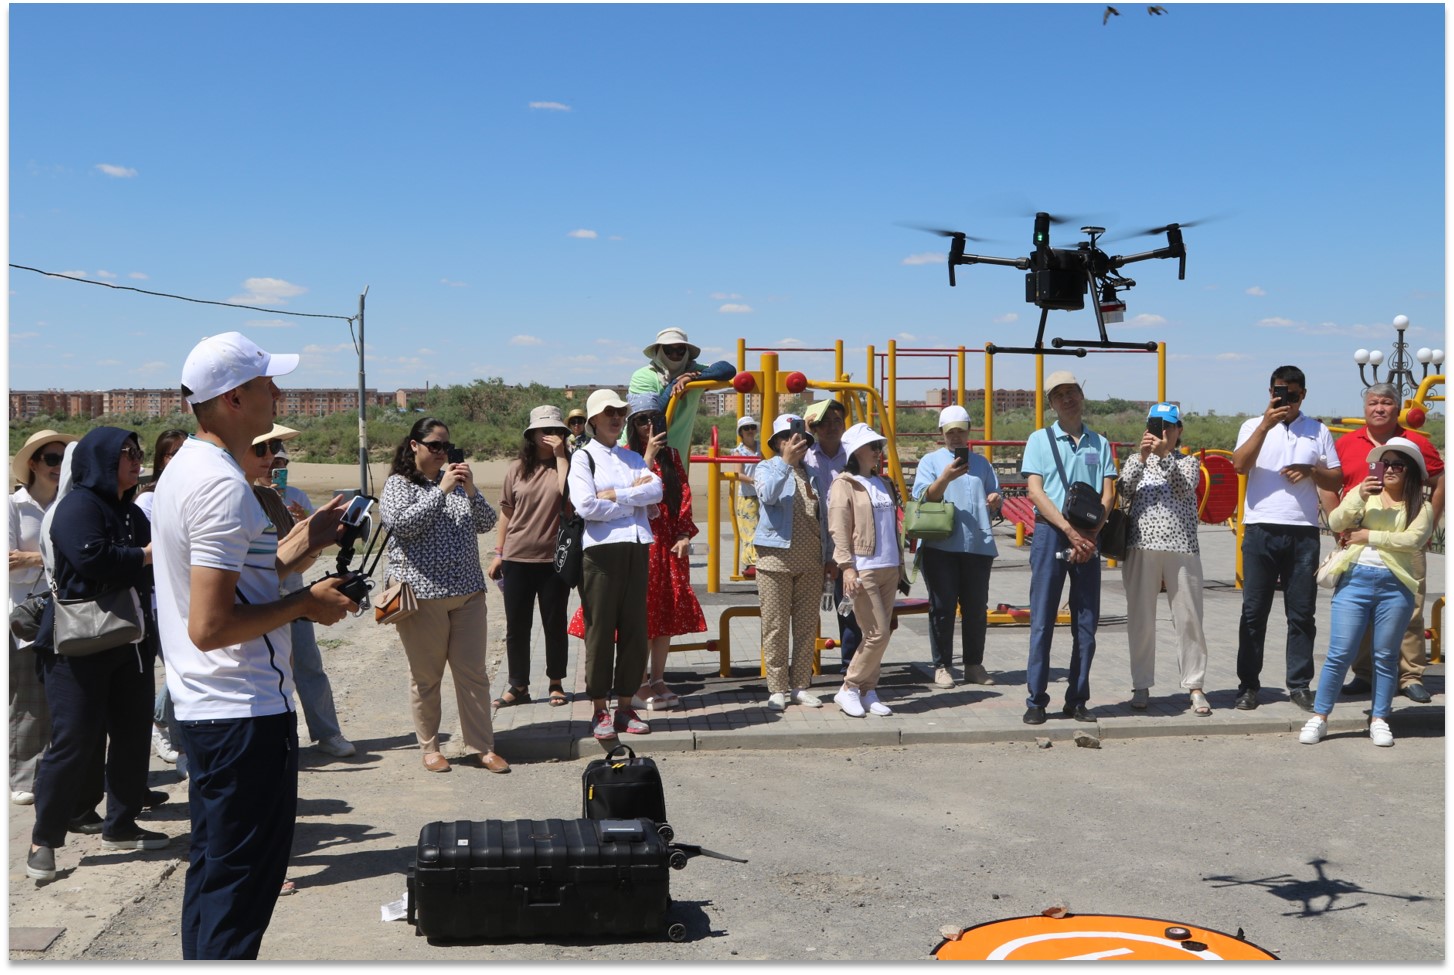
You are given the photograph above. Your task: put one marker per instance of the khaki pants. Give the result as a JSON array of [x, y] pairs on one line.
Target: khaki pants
[[873, 607], [450, 630], [789, 598], [1412, 654], [1143, 572]]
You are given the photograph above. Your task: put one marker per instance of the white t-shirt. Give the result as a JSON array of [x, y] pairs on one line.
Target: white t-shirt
[[1272, 498], [885, 527], [205, 514]]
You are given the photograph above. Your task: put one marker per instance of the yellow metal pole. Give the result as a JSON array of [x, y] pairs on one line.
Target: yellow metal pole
[[714, 522], [870, 380], [1161, 372], [742, 367], [960, 394], [769, 395], [838, 374], [989, 403], [891, 366]]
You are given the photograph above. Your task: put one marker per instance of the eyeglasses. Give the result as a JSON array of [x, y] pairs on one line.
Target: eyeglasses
[[133, 451], [266, 447], [54, 460], [436, 446]]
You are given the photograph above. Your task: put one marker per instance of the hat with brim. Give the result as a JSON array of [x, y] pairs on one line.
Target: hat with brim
[[671, 336], [278, 432], [1055, 380], [954, 418], [547, 418], [600, 400], [1401, 445], [745, 421], [780, 429], [860, 435], [575, 414], [20, 466], [638, 403]]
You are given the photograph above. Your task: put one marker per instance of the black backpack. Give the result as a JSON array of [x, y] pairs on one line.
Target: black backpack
[[622, 786]]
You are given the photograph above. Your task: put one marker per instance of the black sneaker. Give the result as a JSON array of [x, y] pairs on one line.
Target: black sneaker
[[1246, 701], [154, 798], [86, 823], [135, 838], [41, 864], [1303, 697]]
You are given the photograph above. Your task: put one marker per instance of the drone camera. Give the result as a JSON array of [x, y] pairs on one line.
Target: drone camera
[[1055, 289]]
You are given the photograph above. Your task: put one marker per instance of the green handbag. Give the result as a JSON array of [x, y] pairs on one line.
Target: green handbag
[[928, 521]]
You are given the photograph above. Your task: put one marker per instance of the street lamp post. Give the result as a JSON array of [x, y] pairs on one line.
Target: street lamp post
[[1400, 367]]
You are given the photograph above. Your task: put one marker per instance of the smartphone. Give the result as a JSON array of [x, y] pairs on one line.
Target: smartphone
[[357, 509], [1279, 395], [280, 479], [961, 453], [798, 427], [1376, 470], [456, 455], [658, 424], [1156, 425]]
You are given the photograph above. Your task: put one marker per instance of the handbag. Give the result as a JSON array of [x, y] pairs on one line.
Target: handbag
[[1115, 534], [1331, 568], [568, 538], [25, 617], [88, 626], [396, 602], [1082, 507], [928, 521]]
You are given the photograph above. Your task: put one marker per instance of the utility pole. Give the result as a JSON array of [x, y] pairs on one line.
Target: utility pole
[[363, 430]]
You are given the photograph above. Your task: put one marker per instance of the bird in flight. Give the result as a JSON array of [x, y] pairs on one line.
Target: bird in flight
[[1156, 11], [1110, 12]]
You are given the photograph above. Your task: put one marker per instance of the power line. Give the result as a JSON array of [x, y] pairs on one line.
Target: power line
[[199, 301]]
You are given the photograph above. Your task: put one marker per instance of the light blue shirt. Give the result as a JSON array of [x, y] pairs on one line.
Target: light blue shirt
[[1091, 461], [967, 493]]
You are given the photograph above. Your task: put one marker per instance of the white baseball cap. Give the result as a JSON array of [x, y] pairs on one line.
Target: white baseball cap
[[954, 417], [220, 363], [858, 435]]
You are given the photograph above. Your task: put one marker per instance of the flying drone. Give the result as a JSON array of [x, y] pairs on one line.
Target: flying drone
[[1058, 279]]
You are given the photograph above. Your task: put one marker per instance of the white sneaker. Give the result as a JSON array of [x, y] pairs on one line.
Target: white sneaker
[[23, 798], [1314, 731], [181, 765], [876, 706], [777, 701], [163, 746], [943, 678], [1380, 732], [806, 698], [847, 701], [337, 746]]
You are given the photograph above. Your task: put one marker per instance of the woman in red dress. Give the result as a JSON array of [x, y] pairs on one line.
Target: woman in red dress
[[671, 605]]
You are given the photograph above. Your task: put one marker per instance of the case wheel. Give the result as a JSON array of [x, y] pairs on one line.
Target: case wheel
[[666, 832], [676, 931], [677, 860]]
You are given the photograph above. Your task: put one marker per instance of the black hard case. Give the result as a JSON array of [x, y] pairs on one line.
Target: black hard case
[[622, 786], [523, 878]]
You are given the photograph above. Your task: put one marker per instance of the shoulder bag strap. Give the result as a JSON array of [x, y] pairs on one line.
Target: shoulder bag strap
[[1055, 452]]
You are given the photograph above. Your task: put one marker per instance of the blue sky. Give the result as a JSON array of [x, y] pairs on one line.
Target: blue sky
[[533, 191]]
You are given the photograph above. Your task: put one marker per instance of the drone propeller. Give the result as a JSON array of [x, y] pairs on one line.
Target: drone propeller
[[944, 233], [1158, 231]]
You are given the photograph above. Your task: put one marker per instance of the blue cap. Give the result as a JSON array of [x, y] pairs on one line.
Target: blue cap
[[1165, 411]]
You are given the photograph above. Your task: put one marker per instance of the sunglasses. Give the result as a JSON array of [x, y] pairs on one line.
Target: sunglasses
[[575, 420], [615, 411], [53, 460], [1394, 465], [436, 446], [266, 447], [134, 452], [644, 419], [674, 350], [751, 427]]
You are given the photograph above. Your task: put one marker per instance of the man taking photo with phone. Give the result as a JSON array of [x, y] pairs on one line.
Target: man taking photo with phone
[[225, 635], [1287, 457]]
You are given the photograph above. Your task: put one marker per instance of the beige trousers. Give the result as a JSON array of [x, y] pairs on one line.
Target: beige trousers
[[1143, 571], [450, 630], [789, 598], [1412, 653], [873, 607]]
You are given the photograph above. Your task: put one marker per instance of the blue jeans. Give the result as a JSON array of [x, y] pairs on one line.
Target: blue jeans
[[957, 581], [1270, 553], [849, 634], [315, 694], [243, 804], [1366, 594], [1047, 581]]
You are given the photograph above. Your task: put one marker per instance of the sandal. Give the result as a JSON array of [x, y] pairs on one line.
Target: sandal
[[1199, 704], [558, 696], [664, 695], [512, 696], [288, 888]]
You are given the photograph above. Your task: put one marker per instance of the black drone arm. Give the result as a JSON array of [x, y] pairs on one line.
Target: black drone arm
[[1175, 247], [957, 256]]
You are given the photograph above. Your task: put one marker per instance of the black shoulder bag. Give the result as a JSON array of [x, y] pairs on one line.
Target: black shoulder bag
[[1082, 507], [568, 536]]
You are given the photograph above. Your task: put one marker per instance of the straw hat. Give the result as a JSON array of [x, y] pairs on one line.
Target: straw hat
[[20, 467]]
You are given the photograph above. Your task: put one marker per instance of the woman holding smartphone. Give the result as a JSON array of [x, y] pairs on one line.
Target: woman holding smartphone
[[957, 568], [435, 514], [1160, 486], [1388, 523]]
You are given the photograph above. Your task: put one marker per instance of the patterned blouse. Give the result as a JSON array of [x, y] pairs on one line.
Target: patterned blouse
[[433, 546], [1163, 497]]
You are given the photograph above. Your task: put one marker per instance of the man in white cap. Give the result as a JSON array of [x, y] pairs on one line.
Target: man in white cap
[[225, 634], [1065, 453]]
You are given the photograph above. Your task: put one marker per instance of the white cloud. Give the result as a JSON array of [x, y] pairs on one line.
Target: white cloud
[[906, 337], [581, 360], [550, 106], [1232, 357], [331, 349], [526, 340], [452, 284], [605, 341], [731, 309], [583, 234], [137, 276], [1144, 321], [120, 172], [1276, 323], [1256, 291], [271, 291], [425, 352], [1326, 329], [925, 257], [110, 362], [270, 323], [790, 343], [615, 237], [1007, 318], [74, 274], [24, 335], [723, 296], [105, 274]]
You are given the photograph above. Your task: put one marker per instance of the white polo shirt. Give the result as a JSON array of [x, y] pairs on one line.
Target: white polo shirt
[[205, 514], [1271, 498]]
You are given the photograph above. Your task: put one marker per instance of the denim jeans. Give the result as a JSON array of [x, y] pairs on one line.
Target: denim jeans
[[1366, 594], [849, 633], [315, 693], [1047, 581], [1270, 553], [957, 581]]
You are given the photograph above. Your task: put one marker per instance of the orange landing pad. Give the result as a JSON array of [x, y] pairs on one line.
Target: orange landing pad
[[1088, 937]]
